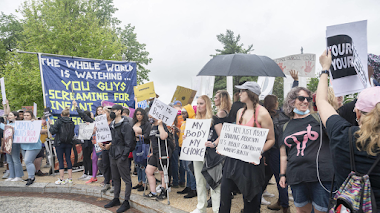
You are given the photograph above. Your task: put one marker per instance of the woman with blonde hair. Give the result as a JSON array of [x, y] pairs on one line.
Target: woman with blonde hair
[[222, 101], [212, 162], [365, 137]]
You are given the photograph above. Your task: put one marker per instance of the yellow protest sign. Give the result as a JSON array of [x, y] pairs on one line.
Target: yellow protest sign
[[144, 91], [184, 95]]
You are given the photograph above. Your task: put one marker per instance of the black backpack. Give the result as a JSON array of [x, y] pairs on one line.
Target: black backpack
[[278, 122], [66, 132]]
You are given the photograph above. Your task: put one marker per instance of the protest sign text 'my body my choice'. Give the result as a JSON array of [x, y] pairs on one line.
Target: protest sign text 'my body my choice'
[[196, 132]]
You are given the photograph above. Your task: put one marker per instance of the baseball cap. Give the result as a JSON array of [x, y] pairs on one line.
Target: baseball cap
[[117, 107], [251, 86], [368, 99]]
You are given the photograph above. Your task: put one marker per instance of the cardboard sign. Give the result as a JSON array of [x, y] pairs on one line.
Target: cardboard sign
[[242, 142], [348, 44], [184, 95], [303, 63], [27, 131], [85, 131], [7, 140], [266, 85], [196, 132], [163, 112], [27, 108], [144, 91], [3, 90], [103, 132]]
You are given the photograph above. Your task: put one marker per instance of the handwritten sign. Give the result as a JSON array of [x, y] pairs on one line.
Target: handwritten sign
[[3, 90], [103, 132], [242, 142], [184, 95], [27, 131], [196, 132], [7, 140], [144, 91], [163, 112], [85, 131], [303, 63]]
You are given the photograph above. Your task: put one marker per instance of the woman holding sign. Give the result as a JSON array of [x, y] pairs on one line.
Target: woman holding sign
[[304, 154], [212, 161], [248, 177]]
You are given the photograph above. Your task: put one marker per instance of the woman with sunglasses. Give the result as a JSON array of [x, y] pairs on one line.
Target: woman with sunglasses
[[304, 154]]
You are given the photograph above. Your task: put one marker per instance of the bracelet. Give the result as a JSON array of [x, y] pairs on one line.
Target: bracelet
[[324, 72], [282, 175], [213, 144]]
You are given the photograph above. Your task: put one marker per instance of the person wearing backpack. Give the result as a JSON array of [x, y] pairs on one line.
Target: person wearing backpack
[[363, 150], [63, 129], [122, 144], [142, 129]]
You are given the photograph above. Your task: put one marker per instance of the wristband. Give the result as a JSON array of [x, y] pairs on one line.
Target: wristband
[[213, 144], [282, 175], [324, 71]]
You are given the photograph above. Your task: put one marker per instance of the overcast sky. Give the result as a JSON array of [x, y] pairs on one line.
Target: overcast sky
[[181, 35]]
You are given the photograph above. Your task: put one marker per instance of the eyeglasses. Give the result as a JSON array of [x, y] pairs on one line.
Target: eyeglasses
[[302, 98]]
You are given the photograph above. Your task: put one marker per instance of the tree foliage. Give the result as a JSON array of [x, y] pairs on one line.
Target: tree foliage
[[313, 84], [85, 28]]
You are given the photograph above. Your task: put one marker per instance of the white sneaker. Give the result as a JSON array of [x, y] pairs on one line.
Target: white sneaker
[[9, 179], [196, 211], [264, 202], [17, 179], [69, 180], [60, 182], [82, 177], [267, 194], [6, 174], [88, 177]]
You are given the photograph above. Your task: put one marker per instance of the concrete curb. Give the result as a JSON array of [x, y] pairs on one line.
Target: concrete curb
[[137, 201]]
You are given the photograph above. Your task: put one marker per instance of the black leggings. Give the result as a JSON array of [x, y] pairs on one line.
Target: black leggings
[[227, 188], [64, 148], [87, 161]]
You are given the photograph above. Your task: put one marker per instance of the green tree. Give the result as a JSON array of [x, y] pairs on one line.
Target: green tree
[[231, 46], [313, 84], [278, 90]]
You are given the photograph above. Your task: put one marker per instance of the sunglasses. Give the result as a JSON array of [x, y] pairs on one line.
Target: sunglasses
[[302, 98]]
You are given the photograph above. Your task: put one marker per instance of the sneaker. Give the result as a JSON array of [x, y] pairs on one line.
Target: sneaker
[[16, 179], [105, 188], [82, 177], [6, 175], [92, 180], [196, 211], [88, 177], [40, 173], [267, 194], [264, 202], [69, 180], [60, 182], [275, 206], [124, 207], [141, 189], [9, 179], [114, 202], [191, 194], [184, 191], [137, 186], [30, 181], [162, 195], [151, 195]]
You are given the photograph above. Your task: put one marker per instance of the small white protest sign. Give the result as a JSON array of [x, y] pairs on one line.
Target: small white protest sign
[[196, 132], [303, 63], [103, 132], [3, 90], [163, 112], [242, 142], [27, 131], [85, 131]]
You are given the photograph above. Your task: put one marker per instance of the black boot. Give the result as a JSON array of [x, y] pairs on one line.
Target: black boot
[[192, 193], [124, 207], [114, 202], [184, 191]]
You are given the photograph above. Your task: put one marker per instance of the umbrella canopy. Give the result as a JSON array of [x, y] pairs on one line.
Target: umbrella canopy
[[241, 65]]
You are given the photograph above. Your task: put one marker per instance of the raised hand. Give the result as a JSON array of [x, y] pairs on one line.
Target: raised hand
[[294, 74]]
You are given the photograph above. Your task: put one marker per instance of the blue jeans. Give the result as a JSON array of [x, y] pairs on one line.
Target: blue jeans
[[304, 193], [175, 167], [191, 183], [14, 162], [30, 156], [141, 176], [64, 149]]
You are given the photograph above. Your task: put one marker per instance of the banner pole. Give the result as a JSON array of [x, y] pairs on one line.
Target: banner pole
[[42, 78]]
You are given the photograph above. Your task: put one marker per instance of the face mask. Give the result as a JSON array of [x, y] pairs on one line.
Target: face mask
[[151, 120], [112, 115], [295, 110]]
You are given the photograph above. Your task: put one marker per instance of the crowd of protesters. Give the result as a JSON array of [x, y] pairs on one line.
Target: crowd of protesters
[[303, 148]]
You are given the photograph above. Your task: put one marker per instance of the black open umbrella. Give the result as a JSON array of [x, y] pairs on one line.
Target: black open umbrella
[[241, 65]]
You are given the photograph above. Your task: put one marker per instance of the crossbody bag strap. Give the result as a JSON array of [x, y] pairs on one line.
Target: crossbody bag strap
[[352, 156], [374, 164]]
